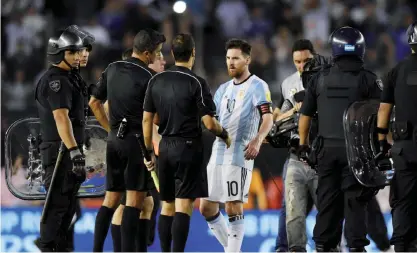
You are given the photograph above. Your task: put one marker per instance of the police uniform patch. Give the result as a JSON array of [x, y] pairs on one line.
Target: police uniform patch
[[380, 84], [55, 85]]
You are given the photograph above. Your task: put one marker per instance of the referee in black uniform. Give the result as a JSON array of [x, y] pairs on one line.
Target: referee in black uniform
[[178, 97], [123, 84]]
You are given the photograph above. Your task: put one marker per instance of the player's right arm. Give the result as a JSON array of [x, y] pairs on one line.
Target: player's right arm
[[97, 99], [59, 96]]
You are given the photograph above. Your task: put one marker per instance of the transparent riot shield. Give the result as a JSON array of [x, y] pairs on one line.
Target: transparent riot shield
[[24, 174], [362, 145]]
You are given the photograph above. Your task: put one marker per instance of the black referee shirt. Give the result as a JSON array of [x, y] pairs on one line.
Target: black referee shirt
[[124, 85], [180, 98]]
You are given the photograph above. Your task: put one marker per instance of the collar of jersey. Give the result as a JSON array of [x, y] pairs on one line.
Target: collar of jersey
[[136, 61], [243, 80]]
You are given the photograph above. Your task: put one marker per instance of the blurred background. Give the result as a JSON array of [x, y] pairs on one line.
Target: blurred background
[[271, 26]]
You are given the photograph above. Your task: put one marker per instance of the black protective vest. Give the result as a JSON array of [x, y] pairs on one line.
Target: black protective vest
[[77, 114], [336, 90], [406, 92]]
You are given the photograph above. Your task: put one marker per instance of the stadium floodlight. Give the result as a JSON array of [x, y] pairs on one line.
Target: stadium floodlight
[[179, 7]]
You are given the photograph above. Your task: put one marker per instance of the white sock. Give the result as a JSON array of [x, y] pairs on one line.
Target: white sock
[[219, 228], [236, 233]]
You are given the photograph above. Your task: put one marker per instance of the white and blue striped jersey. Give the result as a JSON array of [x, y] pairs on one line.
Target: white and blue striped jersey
[[237, 109]]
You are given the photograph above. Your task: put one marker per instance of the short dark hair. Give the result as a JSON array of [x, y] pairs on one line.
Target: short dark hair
[[182, 47], [127, 53], [243, 45], [303, 44], [147, 40]]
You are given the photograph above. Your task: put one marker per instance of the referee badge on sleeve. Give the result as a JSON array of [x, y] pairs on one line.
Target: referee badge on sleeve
[[55, 85]]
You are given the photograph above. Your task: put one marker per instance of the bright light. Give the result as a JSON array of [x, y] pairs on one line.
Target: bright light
[[179, 7]]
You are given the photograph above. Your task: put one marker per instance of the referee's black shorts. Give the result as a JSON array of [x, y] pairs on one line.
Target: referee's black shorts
[[181, 170], [152, 188], [125, 167]]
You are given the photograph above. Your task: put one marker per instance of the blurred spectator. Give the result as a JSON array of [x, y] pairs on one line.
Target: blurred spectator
[[316, 23], [16, 95], [234, 17]]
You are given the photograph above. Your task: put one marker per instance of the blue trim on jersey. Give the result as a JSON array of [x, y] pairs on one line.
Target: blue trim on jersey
[[243, 127], [224, 121]]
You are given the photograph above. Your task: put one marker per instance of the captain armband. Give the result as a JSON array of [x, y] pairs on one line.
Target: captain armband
[[265, 109], [381, 130]]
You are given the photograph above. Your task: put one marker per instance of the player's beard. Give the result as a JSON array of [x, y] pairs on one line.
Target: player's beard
[[237, 73]]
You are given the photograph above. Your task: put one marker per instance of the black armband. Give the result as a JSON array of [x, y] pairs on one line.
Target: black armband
[[381, 130], [224, 134], [265, 109], [150, 151]]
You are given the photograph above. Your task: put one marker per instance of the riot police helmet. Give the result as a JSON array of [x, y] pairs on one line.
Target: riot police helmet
[[412, 36], [60, 42], [87, 38], [347, 41]]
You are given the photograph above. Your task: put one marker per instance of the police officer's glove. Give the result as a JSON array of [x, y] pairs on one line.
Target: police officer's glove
[[384, 150], [78, 164], [302, 153]]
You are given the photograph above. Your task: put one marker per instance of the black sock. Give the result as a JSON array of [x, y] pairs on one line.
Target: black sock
[[130, 222], [101, 227], [180, 228], [164, 230], [116, 235], [142, 235]]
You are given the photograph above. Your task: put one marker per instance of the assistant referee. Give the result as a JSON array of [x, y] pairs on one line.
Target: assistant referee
[[123, 84], [179, 97]]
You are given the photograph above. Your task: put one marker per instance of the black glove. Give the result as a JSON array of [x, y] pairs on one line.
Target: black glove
[[78, 164], [384, 148], [302, 153]]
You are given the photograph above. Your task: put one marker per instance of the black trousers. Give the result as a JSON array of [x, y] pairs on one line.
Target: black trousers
[[403, 196], [340, 197], [63, 200], [377, 229]]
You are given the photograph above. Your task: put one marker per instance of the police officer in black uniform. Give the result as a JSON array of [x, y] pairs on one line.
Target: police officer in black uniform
[[329, 93], [400, 89], [124, 84], [61, 105], [88, 41], [179, 97]]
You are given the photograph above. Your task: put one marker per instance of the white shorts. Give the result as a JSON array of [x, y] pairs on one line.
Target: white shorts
[[228, 183]]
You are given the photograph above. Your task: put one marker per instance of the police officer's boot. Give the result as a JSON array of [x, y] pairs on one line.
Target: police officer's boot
[[322, 248], [357, 249]]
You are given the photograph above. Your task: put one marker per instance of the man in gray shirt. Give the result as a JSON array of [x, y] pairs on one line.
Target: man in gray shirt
[[300, 180]]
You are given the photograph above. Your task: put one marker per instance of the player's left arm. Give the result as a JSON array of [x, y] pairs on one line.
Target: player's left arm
[[262, 100]]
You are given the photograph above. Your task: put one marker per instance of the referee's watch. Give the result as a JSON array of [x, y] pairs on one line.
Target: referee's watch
[[224, 134]]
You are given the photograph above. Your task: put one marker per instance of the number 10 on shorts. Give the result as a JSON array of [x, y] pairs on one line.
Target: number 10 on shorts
[[232, 188]]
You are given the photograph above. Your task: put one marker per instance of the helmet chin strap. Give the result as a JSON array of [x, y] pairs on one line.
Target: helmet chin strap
[[69, 65]]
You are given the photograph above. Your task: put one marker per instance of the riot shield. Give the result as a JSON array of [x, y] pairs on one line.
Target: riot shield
[[359, 122], [22, 153]]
